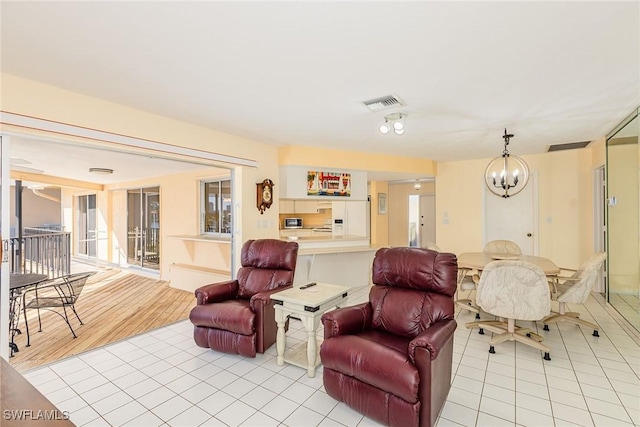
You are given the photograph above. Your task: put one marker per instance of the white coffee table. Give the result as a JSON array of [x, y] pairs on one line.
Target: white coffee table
[[307, 304]]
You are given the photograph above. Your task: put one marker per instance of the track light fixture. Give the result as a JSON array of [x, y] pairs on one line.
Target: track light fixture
[[395, 122]]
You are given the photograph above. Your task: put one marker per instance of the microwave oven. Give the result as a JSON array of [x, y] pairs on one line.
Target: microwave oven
[[293, 223]]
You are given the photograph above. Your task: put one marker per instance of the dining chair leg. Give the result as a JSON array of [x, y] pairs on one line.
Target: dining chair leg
[[73, 307], [39, 322], [26, 322], [66, 319], [569, 316], [495, 326], [512, 332]]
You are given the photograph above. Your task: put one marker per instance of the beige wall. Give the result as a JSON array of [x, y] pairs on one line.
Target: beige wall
[[565, 206], [379, 222], [36, 210], [598, 152], [459, 192], [324, 157], [399, 210]]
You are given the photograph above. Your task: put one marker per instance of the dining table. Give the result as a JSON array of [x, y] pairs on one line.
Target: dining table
[[468, 261], [478, 261], [18, 282]]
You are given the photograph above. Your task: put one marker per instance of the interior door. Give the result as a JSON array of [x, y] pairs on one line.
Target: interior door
[[4, 236], [513, 218], [427, 220]]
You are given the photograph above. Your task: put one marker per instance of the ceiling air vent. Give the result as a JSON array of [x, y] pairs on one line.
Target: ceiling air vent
[[383, 103], [568, 146]]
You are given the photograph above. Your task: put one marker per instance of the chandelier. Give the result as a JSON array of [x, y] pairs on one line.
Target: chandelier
[[506, 175]]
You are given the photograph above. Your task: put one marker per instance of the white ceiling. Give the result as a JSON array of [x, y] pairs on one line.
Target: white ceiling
[[297, 72]]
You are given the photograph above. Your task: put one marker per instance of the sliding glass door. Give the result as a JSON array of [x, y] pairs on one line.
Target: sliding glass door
[[143, 223], [87, 226], [623, 219], [4, 252]]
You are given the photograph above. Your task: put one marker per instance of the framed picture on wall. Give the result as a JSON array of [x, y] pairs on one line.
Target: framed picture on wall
[[382, 203], [333, 184]]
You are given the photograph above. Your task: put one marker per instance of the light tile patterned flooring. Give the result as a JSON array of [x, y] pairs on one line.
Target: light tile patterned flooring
[[161, 378], [628, 306]]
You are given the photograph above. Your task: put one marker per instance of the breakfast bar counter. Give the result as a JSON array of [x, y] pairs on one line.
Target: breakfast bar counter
[[329, 242], [342, 260]]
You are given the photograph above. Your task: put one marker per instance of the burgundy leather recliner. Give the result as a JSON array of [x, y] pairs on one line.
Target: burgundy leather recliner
[[390, 358], [237, 316]]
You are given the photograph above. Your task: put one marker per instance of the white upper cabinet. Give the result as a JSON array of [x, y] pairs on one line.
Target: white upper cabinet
[[290, 206], [287, 206]]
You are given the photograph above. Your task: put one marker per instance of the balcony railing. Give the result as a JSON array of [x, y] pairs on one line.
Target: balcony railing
[[48, 253]]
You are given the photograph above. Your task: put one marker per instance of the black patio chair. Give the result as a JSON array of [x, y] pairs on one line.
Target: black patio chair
[[61, 292]]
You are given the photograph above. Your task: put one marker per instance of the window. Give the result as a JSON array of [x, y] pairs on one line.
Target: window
[[216, 207]]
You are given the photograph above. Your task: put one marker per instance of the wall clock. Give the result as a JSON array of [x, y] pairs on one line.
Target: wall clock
[[264, 195]]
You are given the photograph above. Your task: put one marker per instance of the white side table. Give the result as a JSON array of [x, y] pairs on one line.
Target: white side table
[[307, 304]]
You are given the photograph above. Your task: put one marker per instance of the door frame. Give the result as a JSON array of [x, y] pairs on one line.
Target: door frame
[[600, 223], [5, 227], [142, 219], [95, 231]]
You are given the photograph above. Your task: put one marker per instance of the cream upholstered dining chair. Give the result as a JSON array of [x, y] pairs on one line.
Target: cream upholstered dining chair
[[513, 290], [502, 247], [576, 290], [432, 246], [468, 280]]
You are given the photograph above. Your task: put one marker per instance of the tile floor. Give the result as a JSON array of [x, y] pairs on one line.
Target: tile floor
[[161, 378], [628, 306]]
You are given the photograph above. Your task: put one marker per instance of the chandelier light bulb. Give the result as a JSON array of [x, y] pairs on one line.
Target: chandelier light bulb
[[398, 125], [384, 129], [399, 131]]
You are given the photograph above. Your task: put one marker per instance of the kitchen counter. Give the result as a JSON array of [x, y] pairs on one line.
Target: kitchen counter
[[341, 260], [325, 238], [329, 241], [305, 232]]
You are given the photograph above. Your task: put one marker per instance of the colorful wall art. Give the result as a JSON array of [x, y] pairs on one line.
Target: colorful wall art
[[328, 183]]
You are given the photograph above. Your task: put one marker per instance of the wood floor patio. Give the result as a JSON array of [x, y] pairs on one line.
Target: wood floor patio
[[114, 305]]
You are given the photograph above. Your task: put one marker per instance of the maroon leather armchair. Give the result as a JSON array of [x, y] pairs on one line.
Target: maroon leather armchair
[[390, 358], [237, 316]]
